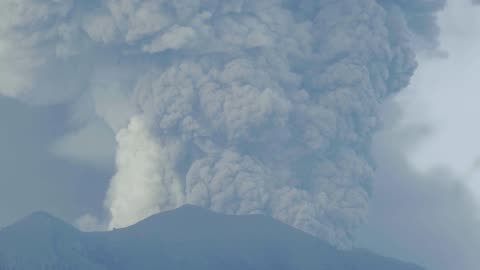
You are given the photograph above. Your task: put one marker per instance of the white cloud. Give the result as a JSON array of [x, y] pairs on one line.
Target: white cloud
[[146, 181], [100, 28], [174, 38], [89, 223]]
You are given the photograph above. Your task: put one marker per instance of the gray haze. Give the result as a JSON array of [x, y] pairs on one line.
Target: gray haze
[[429, 218], [31, 178]]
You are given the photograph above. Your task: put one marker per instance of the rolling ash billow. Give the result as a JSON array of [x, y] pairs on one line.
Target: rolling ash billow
[[242, 107]]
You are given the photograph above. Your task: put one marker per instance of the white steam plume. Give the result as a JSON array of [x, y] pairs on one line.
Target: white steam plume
[[250, 106]]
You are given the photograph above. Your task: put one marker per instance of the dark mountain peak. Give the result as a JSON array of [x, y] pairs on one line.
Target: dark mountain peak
[[40, 221], [191, 207], [182, 216], [42, 218], [41, 215], [189, 215]]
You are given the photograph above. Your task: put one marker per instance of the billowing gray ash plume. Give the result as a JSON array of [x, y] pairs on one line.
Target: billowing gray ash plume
[[240, 106]]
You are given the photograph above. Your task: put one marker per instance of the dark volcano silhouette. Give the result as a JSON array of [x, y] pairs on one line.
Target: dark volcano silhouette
[[186, 238]]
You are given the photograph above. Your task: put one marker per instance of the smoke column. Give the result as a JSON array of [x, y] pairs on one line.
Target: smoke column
[[243, 107]]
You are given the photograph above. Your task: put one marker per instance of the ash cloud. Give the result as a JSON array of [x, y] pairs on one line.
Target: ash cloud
[[244, 107]]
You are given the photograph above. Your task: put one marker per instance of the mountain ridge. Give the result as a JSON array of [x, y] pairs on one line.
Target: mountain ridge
[[188, 237]]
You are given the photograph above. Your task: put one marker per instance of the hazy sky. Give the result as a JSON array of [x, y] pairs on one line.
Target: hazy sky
[[443, 95], [426, 207], [32, 178]]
